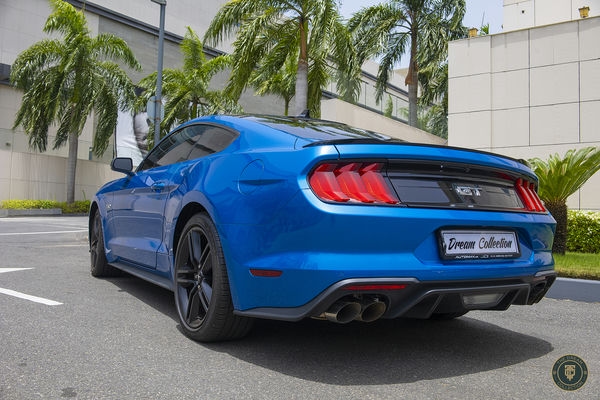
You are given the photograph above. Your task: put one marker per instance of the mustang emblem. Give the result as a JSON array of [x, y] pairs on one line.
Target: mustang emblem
[[468, 191]]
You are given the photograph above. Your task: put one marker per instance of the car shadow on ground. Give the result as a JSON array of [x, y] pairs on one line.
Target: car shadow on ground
[[382, 352], [155, 296]]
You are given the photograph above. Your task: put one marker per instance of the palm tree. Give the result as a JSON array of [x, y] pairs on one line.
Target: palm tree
[[434, 100], [386, 31], [64, 80], [282, 83], [269, 32], [186, 90], [560, 178]]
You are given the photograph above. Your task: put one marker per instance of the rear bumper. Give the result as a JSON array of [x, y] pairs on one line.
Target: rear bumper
[[421, 299], [315, 246]]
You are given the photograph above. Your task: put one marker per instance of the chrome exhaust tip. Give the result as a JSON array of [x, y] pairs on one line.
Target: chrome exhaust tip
[[371, 310], [343, 312]]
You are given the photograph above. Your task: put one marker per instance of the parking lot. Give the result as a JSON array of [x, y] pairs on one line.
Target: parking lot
[[65, 334]]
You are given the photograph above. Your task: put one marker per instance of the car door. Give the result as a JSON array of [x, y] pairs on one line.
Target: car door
[[138, 208]]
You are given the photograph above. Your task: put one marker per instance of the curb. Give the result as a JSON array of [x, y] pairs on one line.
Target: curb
[[575, 289], [30, 212]]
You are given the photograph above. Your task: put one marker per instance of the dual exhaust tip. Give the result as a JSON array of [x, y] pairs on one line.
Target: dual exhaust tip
[[367, 310]]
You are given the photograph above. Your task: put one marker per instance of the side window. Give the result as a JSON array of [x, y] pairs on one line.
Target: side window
[[191, 142], [210, 139]]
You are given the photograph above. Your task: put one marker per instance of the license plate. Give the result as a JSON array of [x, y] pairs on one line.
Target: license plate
[[461, 244]]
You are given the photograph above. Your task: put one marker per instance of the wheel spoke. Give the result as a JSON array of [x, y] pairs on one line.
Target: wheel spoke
[[94, 236], [192, 305], [205, 294], [205, 264], [186, 282], [194, 248]]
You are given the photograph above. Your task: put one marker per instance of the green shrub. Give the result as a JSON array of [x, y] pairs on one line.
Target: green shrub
[[28, 204], [583, 234], [78, 207]]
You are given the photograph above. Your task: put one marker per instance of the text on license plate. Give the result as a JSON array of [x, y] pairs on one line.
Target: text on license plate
[[460, 244]]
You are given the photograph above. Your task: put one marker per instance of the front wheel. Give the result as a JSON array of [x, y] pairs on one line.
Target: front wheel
[[202, 294], [98, 264]]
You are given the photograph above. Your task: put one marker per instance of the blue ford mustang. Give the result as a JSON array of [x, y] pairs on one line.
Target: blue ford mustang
[[287, 218]]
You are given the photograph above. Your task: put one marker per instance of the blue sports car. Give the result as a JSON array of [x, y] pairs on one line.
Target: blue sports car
[[246, 217]]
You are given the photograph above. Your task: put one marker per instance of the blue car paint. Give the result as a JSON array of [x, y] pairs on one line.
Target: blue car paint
[[256, 192]]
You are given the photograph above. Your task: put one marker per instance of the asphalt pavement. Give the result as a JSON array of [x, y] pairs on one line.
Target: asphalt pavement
[[65, 334], [575, 289]]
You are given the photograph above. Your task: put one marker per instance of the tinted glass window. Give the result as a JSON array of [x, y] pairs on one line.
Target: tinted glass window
[[191, 142], [319, 130]]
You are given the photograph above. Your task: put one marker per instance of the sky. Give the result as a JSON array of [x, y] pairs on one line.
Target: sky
[[490, 11]]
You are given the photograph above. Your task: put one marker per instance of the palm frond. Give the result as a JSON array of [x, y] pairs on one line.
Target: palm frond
[[227, 20], [110, 47], [560, 177], [66, 19]]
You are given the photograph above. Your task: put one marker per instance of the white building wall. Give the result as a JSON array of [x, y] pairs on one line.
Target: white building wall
[[529, 93], [523, 14]]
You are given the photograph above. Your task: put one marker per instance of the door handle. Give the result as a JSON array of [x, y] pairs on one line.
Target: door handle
[[158, 187]]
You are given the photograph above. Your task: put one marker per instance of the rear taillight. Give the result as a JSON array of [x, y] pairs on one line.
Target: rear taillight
[[343, 182], [528, 195]]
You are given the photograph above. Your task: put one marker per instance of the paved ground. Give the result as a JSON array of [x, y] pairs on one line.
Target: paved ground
[[119, 339], [575, 289]]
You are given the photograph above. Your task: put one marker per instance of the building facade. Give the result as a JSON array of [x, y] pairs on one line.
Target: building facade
[[533, 91], [26, 174]]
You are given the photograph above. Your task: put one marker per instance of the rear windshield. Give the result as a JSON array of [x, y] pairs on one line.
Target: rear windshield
[[319, 130]]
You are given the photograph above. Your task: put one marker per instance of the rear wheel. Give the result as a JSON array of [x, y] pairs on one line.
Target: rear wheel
[[202, 294], [98, 264]]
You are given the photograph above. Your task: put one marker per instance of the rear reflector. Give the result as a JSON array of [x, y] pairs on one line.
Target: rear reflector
[[375, 287], [528, 195], [265, 273], [361, 182]]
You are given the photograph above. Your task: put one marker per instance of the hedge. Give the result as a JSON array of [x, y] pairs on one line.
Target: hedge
[[583, 231], [78, 207]]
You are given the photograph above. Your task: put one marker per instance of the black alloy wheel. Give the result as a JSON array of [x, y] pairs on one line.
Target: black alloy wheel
[[202, 294], [99, 266]]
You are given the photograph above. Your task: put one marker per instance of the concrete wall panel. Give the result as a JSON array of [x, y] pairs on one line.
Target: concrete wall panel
[[510, 128], [510, 51], [554, 124], [510, 89], [554, 84]]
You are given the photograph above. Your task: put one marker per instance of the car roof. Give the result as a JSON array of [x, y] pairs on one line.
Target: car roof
[[312, 131]]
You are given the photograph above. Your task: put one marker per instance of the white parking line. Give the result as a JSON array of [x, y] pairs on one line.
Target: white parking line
[[23, 295], [40, 233], [29, 297], [13, 269]]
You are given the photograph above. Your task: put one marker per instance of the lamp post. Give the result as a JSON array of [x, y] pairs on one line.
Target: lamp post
[[158, 97]]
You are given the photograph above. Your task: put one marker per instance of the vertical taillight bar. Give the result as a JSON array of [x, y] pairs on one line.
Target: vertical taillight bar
[[528, 195], [341, 182]]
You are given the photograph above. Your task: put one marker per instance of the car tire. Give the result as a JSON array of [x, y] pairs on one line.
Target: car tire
[[98, 264], [202, 294]]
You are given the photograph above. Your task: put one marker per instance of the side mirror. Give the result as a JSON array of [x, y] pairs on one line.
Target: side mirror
[[122, 164]]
